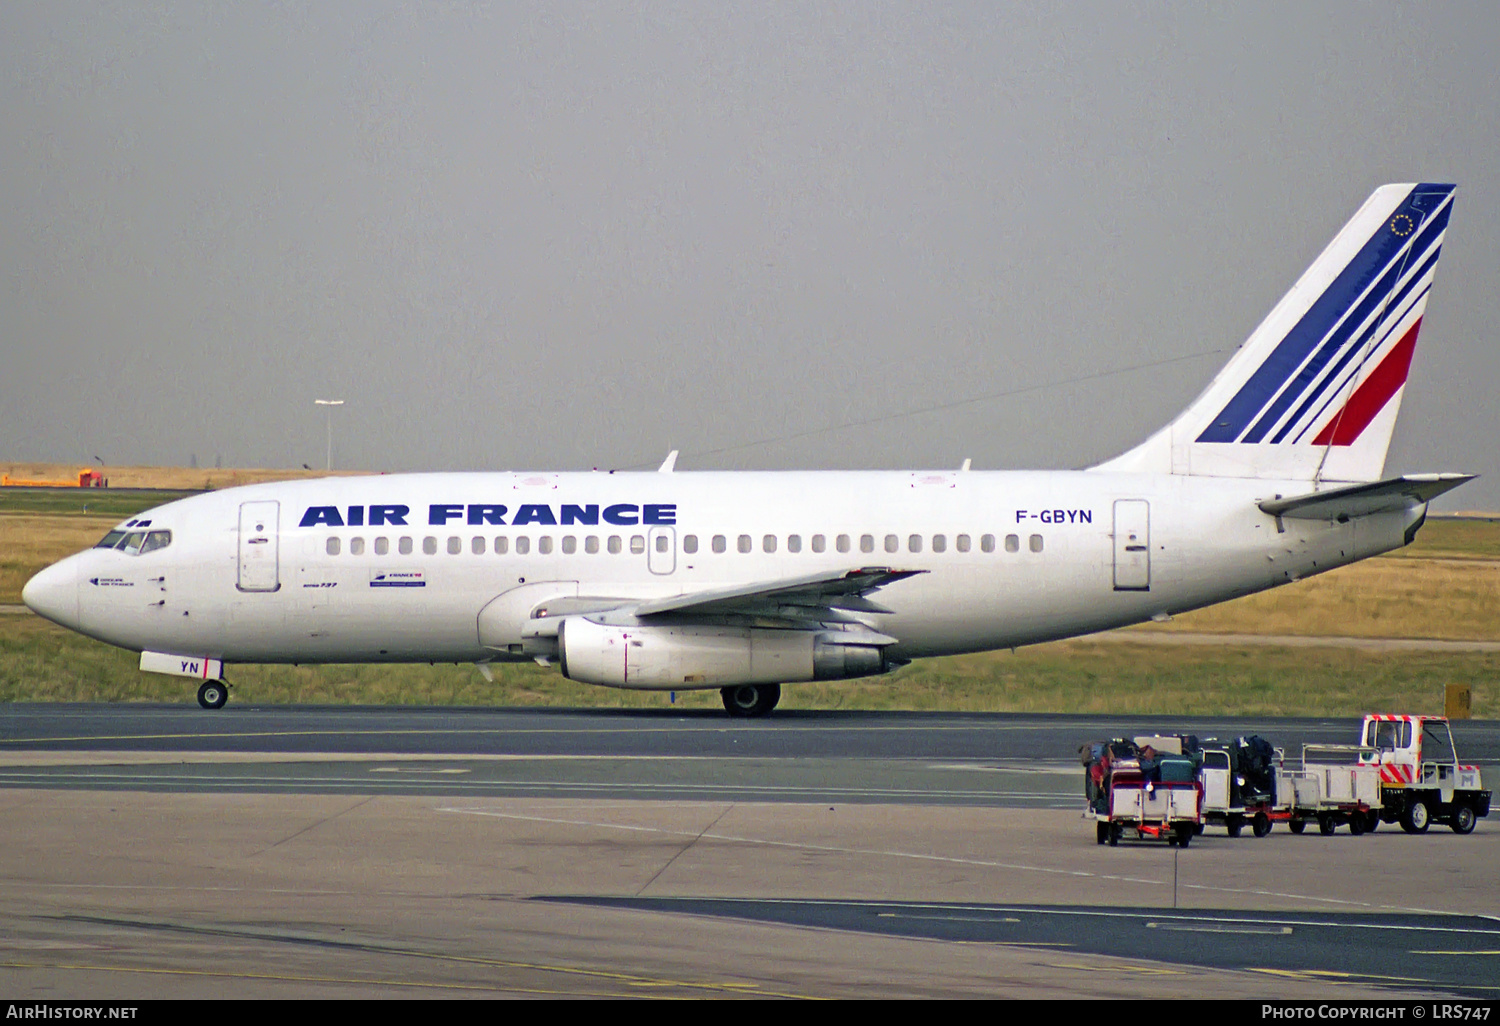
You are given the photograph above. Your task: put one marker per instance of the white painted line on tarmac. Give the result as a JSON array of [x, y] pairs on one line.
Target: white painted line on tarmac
[[1272, 931]]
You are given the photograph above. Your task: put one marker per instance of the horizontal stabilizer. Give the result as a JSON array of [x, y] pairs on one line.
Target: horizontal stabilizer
[[1361, 500]]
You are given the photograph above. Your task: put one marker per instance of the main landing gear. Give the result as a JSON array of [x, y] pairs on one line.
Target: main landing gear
[[213, 694], [751, 699]]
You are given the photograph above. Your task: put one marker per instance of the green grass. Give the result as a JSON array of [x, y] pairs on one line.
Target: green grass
[[83, 501], [1445, 538], [40, 662]]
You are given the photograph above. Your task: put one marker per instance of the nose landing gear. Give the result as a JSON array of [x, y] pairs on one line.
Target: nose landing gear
[[213, 694]]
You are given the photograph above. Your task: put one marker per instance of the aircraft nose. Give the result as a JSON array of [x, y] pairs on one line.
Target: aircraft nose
[[53, 593]]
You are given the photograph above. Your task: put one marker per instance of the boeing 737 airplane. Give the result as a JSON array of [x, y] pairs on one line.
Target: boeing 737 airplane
[[747, 581]]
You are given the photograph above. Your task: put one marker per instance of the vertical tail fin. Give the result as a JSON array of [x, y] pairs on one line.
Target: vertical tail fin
[[1314, 392]]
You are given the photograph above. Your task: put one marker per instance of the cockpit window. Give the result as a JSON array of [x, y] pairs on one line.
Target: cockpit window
[[156, 540], [134, 543]]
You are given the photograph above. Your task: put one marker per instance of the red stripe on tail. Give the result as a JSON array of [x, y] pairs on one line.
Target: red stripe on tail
[[1371, 396]]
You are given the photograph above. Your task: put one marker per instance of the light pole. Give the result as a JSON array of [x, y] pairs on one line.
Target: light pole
[[330, 403]]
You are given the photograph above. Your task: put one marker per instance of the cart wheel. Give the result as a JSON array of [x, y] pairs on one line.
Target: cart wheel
[[1114, 834], [1296, 826], [1233, 825], [1372, 820], [1357, 824], [1261, 825], [1327, 825], [1184, 835], [1415, 818], [1101, 830]]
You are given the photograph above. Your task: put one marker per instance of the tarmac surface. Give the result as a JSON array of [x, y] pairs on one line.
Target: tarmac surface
[[164, 851]]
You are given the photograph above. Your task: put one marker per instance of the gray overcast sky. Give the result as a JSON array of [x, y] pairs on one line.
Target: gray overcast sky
[[558, 236]]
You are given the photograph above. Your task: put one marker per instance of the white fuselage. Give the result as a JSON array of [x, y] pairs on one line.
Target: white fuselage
[[1006, 559]]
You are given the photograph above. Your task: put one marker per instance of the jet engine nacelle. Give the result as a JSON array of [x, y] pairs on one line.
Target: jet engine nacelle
[[687, 657]]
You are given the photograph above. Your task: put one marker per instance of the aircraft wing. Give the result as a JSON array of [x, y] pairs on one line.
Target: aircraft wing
[[836, 590], [1361, 500]]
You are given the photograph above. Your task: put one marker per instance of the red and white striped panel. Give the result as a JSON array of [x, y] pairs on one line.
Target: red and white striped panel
[[1395, 774]]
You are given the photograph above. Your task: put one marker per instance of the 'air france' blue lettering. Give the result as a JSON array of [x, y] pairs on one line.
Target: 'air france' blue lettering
[[493, 515], [325, 515], [534, 513], [393, 515], [621, 514]]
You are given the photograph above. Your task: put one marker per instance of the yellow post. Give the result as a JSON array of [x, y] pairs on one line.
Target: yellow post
[[1457, 702]]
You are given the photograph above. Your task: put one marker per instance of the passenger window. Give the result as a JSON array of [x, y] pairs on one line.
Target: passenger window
[[614, 544], [502, 545], [987, 543], [356, 546], [570, 544], [744, 543], [914, 543], [476, 546], [768, 543], [842, 543], [720, 543], [332, 546], [892, 543], [591, 544], [404, 545], [637, 544], [867, 543], [382, 545], [819, 543], [961, 543], [939, 543], [156, 540], [663, 543], [455, 545], [794, 543], [1036, 543], [544, 544], [429, 545], [1012, 543], [690, 543], [523, 545]]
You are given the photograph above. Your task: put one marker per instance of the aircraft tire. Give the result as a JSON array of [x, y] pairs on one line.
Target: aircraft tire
[[750, 699], [213, 694]]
